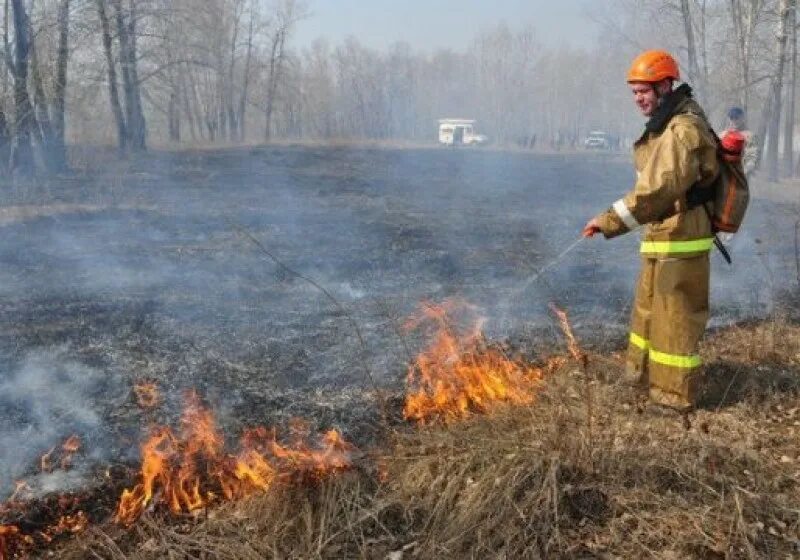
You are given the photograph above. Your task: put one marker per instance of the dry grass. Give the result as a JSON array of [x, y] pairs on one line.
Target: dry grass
[[544, 481]]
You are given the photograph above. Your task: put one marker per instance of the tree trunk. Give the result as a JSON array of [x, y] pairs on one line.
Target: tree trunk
[[59, 147], [116, 108], [173, 118], [8, 69], [22, 151], [233, 125], [187, 107], [289, 13], [43, 130], [704, 47], [194, 101], [745, 16], [275, 61], [774, 127], [691, 49], [126, 35], [8, 66], [246, 78], [139, 130], [788, 130], [221, 113], [122, 40]]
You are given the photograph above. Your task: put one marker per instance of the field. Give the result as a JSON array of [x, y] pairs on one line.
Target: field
[[277, 282]]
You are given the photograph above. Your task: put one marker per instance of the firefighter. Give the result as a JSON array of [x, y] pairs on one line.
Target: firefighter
[[676, 152], [737, 124]]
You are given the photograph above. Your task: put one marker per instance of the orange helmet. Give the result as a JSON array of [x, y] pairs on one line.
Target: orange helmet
[[653, 66]]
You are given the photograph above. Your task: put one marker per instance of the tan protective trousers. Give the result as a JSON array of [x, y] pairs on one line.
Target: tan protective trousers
[[669, 317]]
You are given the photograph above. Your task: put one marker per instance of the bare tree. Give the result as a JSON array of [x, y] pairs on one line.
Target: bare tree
[[8, 68], [126, 35], [773, 109], [289, 13], [745, 17], [111, 68], [182, 70], [22, 151], [43, 132], [691, 46], [788, 130], [248, 59], [59, 151]]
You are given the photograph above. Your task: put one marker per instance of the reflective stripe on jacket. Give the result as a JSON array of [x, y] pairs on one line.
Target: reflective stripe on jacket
[[668, 162]]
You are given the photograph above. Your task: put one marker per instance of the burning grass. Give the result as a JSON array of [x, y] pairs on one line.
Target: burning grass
[[536, 481], [183, 471], [191, 470], [48, 462], [553, 478], [459, 373], [147, 394]]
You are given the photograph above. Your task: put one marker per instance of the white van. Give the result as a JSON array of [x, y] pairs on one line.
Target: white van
[[459, 132]]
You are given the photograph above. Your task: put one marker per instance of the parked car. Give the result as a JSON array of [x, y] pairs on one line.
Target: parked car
[[597, 140], [459, 132]]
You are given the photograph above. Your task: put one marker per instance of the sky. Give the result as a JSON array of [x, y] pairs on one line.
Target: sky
[[432, 24]]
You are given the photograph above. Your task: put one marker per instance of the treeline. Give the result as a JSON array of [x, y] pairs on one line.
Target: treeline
[[137, 72], [130, 71], [518, 91]]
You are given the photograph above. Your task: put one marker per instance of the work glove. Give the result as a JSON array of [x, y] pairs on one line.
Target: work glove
[[591, 228]]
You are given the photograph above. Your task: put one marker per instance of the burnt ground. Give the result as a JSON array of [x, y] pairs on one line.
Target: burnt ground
[[140, 271]]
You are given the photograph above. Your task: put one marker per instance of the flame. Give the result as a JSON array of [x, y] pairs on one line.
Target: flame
[[572, 342], [8, 533], [15, 542], [70, 446], [45, 464], [147, 394], [76, 523], [67, 524], [190, 470], [458, 373]]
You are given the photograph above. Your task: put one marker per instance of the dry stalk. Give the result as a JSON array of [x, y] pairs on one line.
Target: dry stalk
[[582, 359], [370, 378]]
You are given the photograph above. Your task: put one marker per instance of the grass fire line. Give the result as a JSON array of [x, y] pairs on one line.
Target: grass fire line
[[182, 471], [189, 469], [459, 373]]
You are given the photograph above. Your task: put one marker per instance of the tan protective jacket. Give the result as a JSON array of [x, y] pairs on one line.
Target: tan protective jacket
[[670, 158]]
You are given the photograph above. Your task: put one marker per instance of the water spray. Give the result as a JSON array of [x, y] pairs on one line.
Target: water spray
[[550, 264]]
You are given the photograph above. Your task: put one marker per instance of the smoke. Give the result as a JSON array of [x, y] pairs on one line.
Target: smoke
[[156, 282], [42, 402]]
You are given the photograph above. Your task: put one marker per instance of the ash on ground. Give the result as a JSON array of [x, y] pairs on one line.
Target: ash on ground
[[141, 271]]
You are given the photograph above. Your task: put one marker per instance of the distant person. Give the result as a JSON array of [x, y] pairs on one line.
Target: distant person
[[737, 124], [676, 152]]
